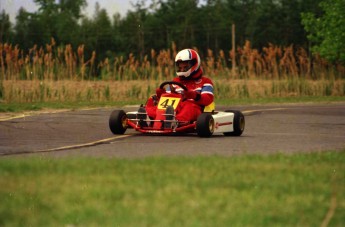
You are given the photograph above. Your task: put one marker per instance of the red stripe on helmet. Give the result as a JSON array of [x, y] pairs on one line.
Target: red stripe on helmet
[[190, 54]]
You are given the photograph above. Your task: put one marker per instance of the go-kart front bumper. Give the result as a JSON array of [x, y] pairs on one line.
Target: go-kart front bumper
[[160, 129]]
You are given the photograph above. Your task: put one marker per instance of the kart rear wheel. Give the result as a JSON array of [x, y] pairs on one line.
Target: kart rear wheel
[[205, 125], [239, 123], [118, 122]]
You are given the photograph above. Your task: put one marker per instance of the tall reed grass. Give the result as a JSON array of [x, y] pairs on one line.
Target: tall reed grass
[[61, 73]]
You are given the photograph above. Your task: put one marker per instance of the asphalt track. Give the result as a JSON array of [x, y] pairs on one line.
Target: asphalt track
[[286, 128]]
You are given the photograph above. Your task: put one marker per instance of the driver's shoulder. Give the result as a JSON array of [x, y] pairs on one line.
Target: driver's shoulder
[[206, 80]]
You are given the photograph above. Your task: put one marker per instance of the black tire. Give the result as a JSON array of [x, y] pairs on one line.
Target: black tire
[[205, 125], [239, 123], [118, 122]]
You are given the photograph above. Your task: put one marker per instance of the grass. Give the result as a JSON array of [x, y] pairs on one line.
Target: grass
[[22, 107], [280, 100], [253, 190], [36, 94], [36, 106]]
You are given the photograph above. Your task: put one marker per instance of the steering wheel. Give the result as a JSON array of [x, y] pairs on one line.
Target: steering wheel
[[171, 83]]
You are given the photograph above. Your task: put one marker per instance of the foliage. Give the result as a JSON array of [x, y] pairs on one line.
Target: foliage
[[5, 27], [156, 25], [327, 32]]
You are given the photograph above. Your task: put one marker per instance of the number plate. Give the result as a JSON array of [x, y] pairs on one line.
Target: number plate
[[168, 101]]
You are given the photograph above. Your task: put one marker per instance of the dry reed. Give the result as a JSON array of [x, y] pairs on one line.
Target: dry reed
[[21, 91], [60, 73]]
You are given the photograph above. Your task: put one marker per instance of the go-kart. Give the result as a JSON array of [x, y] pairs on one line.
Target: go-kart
[[209, 122]]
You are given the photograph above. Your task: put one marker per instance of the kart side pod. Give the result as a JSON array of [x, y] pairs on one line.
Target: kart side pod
[[230, 123]]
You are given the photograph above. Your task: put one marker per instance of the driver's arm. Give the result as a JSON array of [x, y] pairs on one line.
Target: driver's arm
[[202, 96], [206, 95]]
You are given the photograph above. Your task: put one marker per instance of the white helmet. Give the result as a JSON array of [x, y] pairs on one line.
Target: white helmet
[[193, 67]]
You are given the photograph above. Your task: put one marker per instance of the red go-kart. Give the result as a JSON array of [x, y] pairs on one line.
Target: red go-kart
[[228, 122]]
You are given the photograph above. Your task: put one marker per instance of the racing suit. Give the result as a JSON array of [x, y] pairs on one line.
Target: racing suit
[[188, 110]]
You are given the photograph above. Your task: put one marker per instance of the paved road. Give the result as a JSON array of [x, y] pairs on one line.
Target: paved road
[[269, 129]]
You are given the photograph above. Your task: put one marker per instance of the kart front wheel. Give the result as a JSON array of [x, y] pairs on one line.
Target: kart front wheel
[[118, 122], [238, 123], [205, 125]]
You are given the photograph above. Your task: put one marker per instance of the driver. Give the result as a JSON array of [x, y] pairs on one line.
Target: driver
[[198, 95]]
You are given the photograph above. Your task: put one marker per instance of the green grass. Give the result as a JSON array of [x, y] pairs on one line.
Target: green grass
[[281, 100], [252, 190], [19, 107]]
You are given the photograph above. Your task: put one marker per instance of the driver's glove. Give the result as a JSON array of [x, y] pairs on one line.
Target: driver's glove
[[159, 92], [190, 94]]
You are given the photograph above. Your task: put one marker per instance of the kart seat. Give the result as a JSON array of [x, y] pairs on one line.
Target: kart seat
[[210, 108]]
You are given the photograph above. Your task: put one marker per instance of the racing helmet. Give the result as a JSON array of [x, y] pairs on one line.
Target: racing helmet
[[187, 64]]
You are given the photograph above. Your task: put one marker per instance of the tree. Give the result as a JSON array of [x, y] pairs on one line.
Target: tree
[[327, 32], [5, 28], [155, 24], [67, 16], [117, 37], [213, 26], [102, 31], [30, 30], [60, 19]]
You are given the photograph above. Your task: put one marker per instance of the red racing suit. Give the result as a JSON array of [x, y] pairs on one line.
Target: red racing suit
[[190, 109]]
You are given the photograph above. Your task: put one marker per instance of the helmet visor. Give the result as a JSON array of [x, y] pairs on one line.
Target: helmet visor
[[184, 66]]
